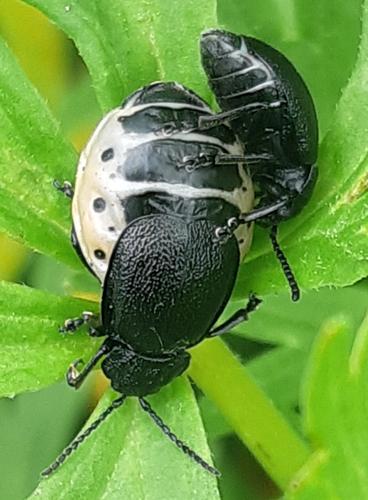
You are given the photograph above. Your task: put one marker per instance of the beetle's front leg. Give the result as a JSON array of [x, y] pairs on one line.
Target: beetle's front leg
[[208, 121], [75, 377], [223, 233], [238, 317], [86, 318], [66, 188]]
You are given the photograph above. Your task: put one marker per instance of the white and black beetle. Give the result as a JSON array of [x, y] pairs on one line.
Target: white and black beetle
[[163, 212], [151, 191], [268, 106]]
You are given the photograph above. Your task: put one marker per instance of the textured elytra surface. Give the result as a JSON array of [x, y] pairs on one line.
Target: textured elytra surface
[[165, 270]]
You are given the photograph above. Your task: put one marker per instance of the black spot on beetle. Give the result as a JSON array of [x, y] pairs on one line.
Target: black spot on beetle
[[99, 204], [111, 228], [107, 155], [241, 241], [99, 254]]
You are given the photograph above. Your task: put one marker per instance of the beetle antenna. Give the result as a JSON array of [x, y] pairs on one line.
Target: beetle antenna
[[180, 444], [79, 439], [295, 291]]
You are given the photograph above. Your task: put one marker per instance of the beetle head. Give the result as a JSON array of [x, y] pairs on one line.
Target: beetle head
[[294, 185], [135, 375]]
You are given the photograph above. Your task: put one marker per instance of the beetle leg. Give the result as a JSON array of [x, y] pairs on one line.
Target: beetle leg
[[72, 324], [223, 233], [96, 331], [191, 163], [65, 188], [208, 121], [249, 160], [238, 317], [74, 377]]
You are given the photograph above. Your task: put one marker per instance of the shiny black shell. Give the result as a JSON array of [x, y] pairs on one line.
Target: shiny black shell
[[163, 271], [278, 124]]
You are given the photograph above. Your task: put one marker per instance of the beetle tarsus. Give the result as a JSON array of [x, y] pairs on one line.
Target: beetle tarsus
[[223, 233], [72, 324], [74, 377], [73, 374], [238, 317], [66, 188], [191, 163]]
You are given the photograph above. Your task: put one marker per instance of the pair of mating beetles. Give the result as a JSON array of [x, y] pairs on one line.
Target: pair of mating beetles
[[163, 210]]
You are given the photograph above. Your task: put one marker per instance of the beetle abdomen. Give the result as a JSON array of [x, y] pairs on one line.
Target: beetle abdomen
[[245, 71], [153, 147]]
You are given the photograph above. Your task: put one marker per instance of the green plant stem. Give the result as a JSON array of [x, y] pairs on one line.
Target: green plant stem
[[248, 410]]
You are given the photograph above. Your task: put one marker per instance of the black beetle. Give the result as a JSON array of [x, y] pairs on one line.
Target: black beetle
[[268, 106], [151, 192], [163, 211]]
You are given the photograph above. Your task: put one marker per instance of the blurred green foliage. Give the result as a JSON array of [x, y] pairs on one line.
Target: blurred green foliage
[[322, 39]]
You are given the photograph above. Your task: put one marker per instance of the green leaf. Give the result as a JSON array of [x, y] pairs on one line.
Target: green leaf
[[293, 328], [33, 153], [130, 43], [278, 321], [279, 372], [33, 353], [302, 29], [251, 414], [327, 244], [129, 457], [335, 417], [33, 428]]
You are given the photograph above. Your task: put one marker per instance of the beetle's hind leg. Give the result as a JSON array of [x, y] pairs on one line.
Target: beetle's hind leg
[[86, 318], [254, 161], [66, 188], [238, 317], [208, 121], [250, 160], [74, 377]]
